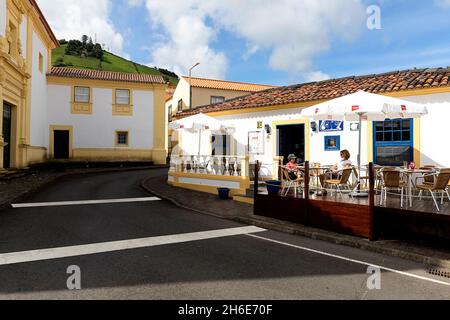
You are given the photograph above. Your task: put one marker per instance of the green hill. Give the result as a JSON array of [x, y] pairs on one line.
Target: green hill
[[109, 62]]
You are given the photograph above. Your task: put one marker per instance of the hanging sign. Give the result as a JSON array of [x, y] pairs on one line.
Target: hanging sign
[[331, 126]]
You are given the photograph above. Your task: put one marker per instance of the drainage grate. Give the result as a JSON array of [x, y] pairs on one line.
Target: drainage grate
[[440, 272]]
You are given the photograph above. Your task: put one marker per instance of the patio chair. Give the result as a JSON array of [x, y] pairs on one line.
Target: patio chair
[[440, 185], [392, 179], [343, 182], [428, 178], [290, 183]]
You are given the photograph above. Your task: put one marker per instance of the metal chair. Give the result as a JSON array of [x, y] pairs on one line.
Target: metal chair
[[440, 185], [342, 182], [290, 183], [392, 179]]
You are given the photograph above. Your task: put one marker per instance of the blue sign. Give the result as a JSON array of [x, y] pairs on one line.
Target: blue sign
[[331, 126], [333, 143]]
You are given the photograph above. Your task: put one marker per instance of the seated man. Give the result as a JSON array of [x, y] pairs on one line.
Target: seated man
[[336, 170]]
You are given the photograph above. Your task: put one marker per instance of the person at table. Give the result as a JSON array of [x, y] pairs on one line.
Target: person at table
[[292, 167], [336, 170]]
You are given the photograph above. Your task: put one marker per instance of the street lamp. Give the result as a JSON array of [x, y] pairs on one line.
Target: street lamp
[[190, 84]]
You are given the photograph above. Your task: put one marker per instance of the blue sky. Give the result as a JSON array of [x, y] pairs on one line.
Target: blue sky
[[414, 33]]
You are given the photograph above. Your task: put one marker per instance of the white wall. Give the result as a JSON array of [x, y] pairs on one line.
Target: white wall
[[434, 129], [38, 126], [98, 129], [2, 17], [434, 134]]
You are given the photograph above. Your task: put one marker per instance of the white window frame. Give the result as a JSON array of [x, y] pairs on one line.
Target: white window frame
[[76, 96], [122, 103]]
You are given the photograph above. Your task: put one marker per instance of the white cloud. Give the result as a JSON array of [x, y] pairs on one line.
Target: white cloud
[[293, 31], [316, 76], [70, 19], [443, 3]]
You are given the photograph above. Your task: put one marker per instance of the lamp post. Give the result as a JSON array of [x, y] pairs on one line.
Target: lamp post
[[190, 84]]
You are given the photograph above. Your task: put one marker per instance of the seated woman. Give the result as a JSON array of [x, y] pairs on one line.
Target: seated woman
[[336, 170]]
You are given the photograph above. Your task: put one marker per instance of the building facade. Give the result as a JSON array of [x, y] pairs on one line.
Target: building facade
[[66, 114], [208, 91], [26, 42], [268, 124]]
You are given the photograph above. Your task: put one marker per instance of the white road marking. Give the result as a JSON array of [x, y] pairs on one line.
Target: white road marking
[[351, 260], [89, 249], [83, 202]]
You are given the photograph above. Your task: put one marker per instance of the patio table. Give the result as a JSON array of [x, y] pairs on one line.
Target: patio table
[[316, 172], [410, 173]]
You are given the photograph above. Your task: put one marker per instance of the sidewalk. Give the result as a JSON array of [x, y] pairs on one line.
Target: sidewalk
[[208, 204]]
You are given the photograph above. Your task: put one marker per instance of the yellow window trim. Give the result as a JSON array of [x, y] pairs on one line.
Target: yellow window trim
[[304, 121], [54, 128], [116, 136], [78, 107], [122, 109], [41, 62]]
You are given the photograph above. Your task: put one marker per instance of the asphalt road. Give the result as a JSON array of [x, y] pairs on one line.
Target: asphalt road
[[207, 263]]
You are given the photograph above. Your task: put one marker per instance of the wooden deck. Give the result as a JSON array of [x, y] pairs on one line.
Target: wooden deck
[[363, 217]]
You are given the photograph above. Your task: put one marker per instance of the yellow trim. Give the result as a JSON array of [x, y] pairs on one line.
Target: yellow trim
[[54, 128], [116, 143], [244, 200], [160, 125], [209, 177], [81, 107], [304, 121], [417, 142], [111, 154], [122, 109]]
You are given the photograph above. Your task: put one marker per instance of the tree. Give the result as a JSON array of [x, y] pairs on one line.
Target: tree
[[84, 39], [97, 51], [74, 48]]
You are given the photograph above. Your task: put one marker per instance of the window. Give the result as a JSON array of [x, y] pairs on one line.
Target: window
[[170, 113], [82, 95], [41, 62], [332, 143], [217, 100], [122, 138], [123, 96], [393, 142], [180, 105]]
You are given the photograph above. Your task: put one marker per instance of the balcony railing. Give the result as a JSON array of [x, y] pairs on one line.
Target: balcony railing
[[233, 166]]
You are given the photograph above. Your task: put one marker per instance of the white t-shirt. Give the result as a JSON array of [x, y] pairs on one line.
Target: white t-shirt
[[344, 164]]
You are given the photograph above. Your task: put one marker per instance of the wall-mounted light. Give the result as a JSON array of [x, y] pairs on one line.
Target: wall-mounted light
[[354, 126], [313, 126], [268, 129]]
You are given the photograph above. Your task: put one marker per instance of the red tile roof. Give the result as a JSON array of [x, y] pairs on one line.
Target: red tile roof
[[104, 75], [226, 85], [330, 89]]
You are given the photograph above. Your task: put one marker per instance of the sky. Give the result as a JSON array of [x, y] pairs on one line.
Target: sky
[[263, 41]]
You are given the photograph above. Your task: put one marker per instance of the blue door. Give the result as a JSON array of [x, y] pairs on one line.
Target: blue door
[[393, 142]]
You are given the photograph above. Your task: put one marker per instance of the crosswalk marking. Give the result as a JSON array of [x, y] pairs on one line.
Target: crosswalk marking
[[90, 249], [82, 202]]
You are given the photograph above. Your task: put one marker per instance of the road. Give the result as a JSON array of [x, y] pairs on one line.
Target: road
[[129, 245]]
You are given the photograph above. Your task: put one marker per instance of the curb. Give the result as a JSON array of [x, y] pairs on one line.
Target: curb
[[315, 234], [6, 205]]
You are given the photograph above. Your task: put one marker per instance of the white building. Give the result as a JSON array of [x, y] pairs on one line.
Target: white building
[[69, 114], [269, 125]]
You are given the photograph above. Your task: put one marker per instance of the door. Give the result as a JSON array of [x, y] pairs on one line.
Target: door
[[61, 144], [7, 136], [291, 140], [394, 142]]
